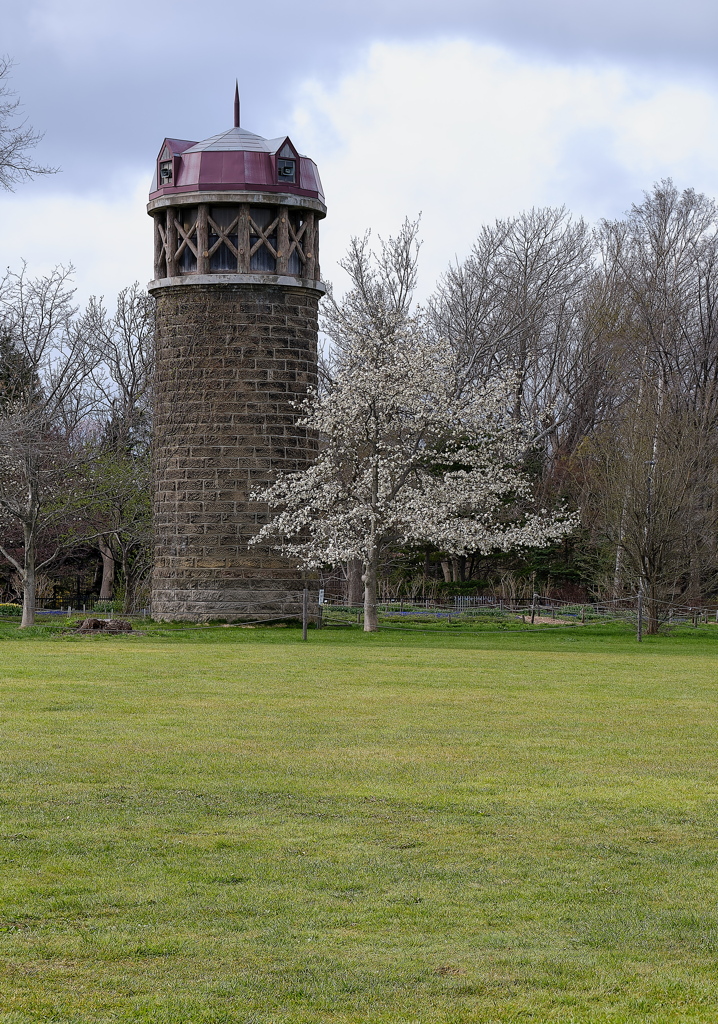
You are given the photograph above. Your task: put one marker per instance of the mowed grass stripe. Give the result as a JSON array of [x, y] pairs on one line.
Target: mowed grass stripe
[[358, 829]]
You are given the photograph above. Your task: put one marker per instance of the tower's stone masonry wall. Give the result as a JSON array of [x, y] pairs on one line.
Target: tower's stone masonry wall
[[231, 360]]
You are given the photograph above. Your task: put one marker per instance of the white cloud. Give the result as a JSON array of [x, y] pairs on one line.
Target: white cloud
[[108, 241], [462, 132], [466, 133]]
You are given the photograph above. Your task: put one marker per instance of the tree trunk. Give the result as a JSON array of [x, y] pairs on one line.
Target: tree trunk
[[128, 601], [369, 577], [108, 570], [28, 581], [654, 611], [355, 584], [446, 569], [458, 569]]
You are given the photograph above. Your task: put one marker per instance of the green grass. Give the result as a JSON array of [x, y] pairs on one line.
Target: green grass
[[229, 825]]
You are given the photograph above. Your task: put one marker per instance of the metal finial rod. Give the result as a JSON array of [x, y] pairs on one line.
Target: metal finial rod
[[236, 105]]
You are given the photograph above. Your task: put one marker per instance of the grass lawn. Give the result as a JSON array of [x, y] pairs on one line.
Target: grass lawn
[[234, 826]]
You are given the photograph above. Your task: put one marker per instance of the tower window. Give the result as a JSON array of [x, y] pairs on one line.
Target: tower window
[[297, 242], [287, 170], [186, 224], [223, 238], [166, 172], [263, 222]]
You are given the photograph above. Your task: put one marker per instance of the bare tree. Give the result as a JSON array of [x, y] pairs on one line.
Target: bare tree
[[123, 344], [656, 481], [665, 254], [645, 492], [123, 348], [516, 306], [45, 419], [17, 138]]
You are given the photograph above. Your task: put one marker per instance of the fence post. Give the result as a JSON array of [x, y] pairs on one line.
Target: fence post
[[639, 629], [533, 609], [305, 610]]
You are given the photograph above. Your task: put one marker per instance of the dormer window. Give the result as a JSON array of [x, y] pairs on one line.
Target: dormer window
[[166, 171], [287, 170], [287, 164]]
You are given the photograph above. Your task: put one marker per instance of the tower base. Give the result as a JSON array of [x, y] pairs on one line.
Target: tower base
[[232, 362]]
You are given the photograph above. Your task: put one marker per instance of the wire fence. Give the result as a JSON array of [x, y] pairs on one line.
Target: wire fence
[[541, 611], [480, 611], [106, 609]]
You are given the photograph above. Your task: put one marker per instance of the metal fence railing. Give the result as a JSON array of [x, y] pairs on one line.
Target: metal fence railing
[[540, 610]]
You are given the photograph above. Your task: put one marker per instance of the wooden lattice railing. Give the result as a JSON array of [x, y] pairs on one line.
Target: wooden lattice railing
[[193, 240]]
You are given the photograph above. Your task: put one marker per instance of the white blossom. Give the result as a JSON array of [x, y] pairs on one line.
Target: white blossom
[[410, 452]]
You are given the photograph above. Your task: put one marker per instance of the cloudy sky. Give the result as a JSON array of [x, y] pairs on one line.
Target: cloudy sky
[[461, 110]]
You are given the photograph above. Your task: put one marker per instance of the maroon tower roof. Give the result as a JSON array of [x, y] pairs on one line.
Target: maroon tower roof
[[235, 161]]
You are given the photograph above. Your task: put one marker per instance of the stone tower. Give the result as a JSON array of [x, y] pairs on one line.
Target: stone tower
[[237, 287]]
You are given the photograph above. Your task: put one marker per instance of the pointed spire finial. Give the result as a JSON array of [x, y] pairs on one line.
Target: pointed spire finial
[[236, 104]]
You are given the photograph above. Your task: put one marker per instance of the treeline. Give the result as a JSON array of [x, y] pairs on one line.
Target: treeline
[[605, 339], [75, 426], [611, 336]]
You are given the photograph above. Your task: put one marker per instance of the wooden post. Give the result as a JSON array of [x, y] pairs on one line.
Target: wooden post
[[583, 613], [171, 233], [160, 265], [533, 609], [316, 276], [305, 612], [203, 239], [639, 629], [282, 240], [243, 239], [310, 247]]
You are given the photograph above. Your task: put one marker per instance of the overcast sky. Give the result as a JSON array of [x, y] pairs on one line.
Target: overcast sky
[[463, 110]]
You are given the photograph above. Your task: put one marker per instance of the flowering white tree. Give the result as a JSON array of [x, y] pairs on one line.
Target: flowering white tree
[[412, 450]]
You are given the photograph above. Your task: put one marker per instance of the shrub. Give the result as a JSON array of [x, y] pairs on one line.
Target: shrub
[[10, 609]]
